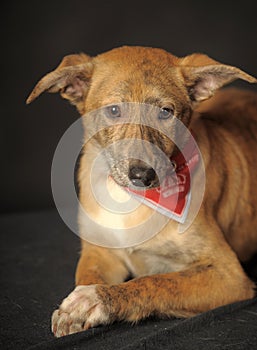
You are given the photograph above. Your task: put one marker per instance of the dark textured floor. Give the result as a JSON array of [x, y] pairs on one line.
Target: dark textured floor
[[38, 255]]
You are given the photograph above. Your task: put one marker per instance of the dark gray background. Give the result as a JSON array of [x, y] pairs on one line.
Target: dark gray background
[[37, 34]]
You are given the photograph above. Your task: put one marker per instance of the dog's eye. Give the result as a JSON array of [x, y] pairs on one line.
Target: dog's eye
[[165, 113], [114, 111]]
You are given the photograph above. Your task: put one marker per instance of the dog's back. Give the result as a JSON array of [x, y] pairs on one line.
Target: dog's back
[[230, 125]]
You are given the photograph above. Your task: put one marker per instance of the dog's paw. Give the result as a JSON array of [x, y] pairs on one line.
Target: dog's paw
[[82, 309]]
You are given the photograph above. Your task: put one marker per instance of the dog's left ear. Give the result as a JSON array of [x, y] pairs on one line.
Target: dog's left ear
[[203, 76]]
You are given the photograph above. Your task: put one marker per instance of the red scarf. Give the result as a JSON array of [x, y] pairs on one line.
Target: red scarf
[[172, 198]]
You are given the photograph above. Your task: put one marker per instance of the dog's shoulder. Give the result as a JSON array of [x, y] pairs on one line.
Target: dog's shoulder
[[230, 103]]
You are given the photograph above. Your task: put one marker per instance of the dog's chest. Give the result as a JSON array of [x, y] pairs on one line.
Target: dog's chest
[[148, 262]]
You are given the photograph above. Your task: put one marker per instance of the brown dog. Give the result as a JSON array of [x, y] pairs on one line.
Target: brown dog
[[173, 274]]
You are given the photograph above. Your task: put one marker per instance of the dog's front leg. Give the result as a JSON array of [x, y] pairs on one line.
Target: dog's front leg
[[99, 265], [205, 285], [96, 266]]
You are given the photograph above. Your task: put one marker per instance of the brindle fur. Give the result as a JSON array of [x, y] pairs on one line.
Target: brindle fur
[[173, 275]]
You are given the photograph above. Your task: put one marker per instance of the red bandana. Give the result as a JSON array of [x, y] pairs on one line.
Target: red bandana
[[172, 198]]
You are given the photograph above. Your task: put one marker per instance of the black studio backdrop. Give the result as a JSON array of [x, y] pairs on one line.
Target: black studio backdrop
[[37, 34]]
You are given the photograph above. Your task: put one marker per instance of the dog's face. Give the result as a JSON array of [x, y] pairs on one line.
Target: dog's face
[[145, 76], [119, 79]]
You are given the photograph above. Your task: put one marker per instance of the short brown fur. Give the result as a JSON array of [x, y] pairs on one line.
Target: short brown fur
[[173, 275]]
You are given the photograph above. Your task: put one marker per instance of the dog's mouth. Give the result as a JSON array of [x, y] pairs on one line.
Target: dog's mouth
[[136, 174]]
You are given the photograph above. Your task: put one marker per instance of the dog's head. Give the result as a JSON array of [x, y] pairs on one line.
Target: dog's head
[[142, 75]]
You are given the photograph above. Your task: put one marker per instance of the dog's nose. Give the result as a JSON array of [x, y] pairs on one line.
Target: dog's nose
[[141, 177]]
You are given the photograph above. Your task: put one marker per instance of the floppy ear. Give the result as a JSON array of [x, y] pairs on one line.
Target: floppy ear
[[203, 76], [71, 78]]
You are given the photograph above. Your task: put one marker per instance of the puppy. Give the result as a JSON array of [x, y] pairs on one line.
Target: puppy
[[171, 274]]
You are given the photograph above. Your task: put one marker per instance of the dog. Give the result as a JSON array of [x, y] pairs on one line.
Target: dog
[[170, 274]]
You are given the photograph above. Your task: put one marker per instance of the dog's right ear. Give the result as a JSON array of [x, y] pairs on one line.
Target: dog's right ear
[[71, 78]]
